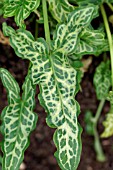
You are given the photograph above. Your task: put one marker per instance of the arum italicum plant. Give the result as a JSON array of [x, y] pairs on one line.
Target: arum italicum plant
[[54, 66]]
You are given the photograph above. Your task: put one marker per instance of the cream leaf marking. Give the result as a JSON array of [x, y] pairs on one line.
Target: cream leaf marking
[[18, 120]]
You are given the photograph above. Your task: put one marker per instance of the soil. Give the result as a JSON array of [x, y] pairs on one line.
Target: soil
[[39, 155]]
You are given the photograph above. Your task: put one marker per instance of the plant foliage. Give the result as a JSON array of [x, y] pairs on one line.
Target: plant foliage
[[102, 80], [60, 9], [55, 67], [18, 120], [108, 123], [58, 81], [96, 2], [20, 9]]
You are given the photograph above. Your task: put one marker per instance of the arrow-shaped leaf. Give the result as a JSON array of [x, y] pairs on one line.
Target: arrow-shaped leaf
[[58, 84], [18, 120]]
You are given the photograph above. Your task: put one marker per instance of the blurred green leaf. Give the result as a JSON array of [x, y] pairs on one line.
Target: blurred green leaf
[[108, 122], [88, 121], [102, 80]]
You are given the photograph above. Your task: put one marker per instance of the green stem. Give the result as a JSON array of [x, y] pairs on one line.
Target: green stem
[[99, 110], [98, 148], [46, 25], [97, 145], [110, 6], [37, 13], [36, 29], [0, 160], [109, 39]]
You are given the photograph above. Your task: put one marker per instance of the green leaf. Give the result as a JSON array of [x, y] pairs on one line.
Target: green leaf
[[110, 99], [60, 9], [1, 7], [66, 35], [58, 85], [58, 81], [0, 161], [96, 2], [20, 9], [18, 120], [102, 80], [91, 36], [90, 42], [108, 123], [88, 121]]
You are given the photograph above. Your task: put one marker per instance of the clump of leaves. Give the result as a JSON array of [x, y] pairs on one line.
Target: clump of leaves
[[55, 67]]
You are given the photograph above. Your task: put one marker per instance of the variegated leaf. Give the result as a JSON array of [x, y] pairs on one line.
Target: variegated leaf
[[96, 2], [108, 122], [20, 9], [66, 36], [95, 37], [91, 42], [108, 125], [57, 97], [60, 9], [18, 120], [102, 80], [9, 82], [58, 82]]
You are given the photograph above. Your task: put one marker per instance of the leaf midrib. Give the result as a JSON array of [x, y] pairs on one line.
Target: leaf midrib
[[57, 86]]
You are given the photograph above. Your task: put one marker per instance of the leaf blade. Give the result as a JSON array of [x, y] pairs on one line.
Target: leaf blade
[[20, 9], [60, 9], [18, 120], [102, 80], [66, 35]]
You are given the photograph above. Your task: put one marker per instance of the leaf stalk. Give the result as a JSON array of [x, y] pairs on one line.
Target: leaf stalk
[[97, 145], [109, 38], [110, 6], [46, 25]]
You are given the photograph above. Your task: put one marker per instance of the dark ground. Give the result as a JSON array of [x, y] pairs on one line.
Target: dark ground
[[39, 155]]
